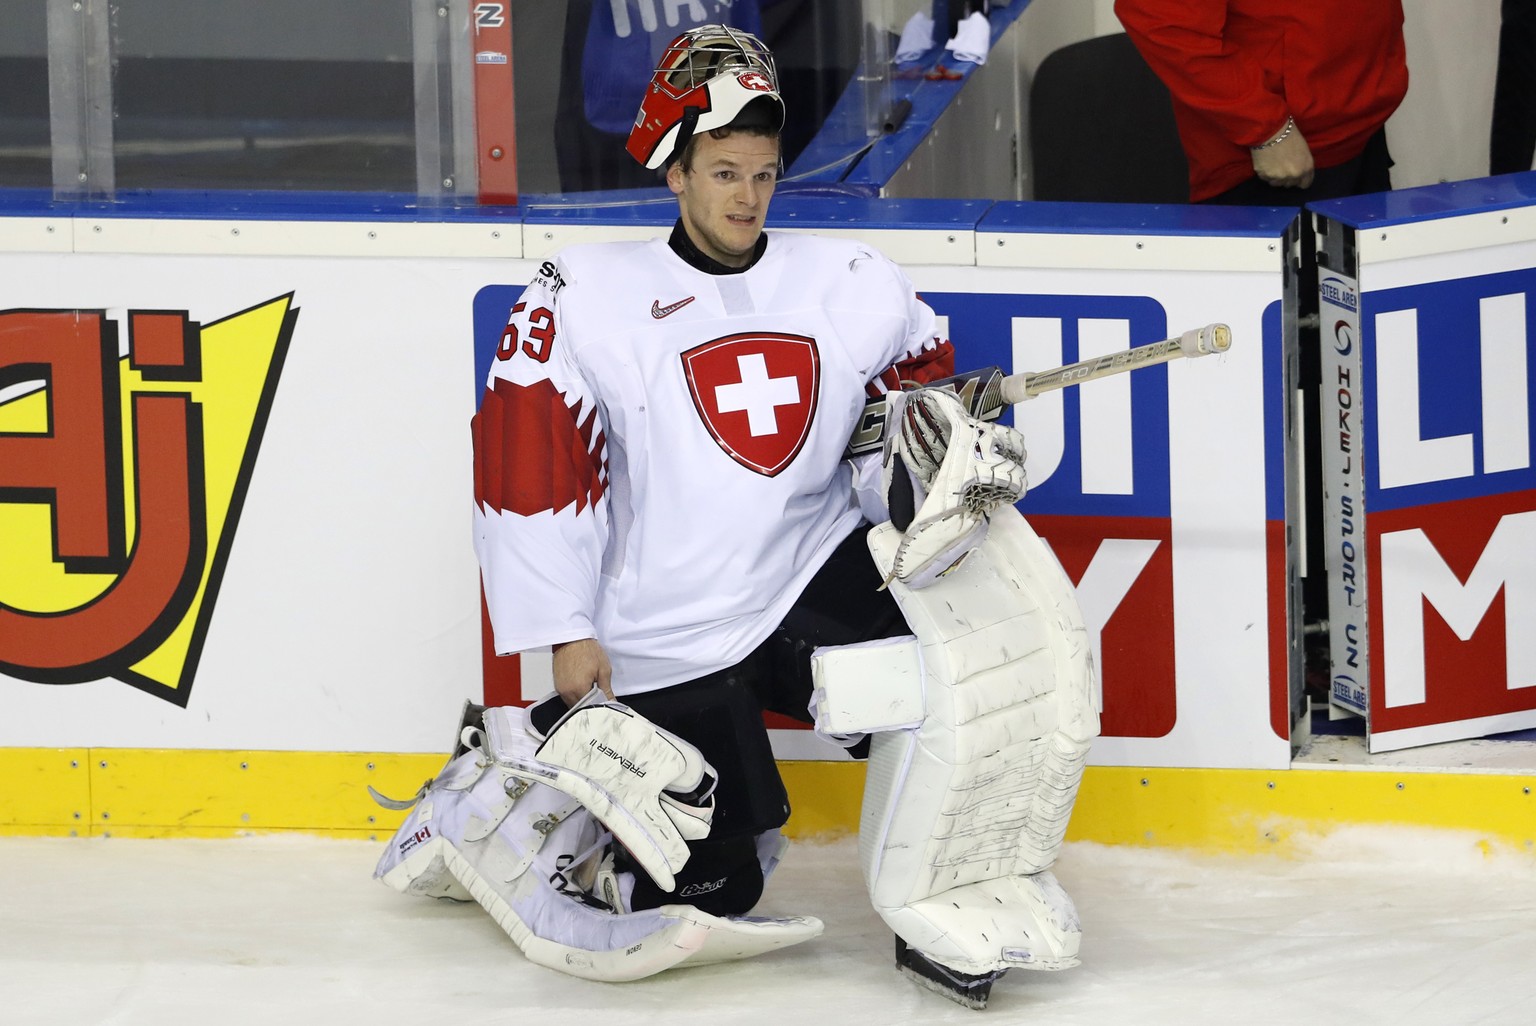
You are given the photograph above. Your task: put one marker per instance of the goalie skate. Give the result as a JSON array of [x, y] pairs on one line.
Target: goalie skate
[[965, 989]]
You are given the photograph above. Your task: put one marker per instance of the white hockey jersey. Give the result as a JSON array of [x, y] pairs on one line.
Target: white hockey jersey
[[659, 450]]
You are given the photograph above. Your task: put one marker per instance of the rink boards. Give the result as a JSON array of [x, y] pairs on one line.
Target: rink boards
[[286, 404], [1429, 489]]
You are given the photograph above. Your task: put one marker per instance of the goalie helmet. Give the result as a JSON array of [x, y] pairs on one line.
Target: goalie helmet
[[709, 77]]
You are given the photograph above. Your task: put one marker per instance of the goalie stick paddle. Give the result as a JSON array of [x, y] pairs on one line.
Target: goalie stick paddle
[[987, 391]]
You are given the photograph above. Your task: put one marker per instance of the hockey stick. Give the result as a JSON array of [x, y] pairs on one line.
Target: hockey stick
[[988, 391]]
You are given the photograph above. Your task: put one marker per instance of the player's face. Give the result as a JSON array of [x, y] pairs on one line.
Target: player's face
[[724, 198]]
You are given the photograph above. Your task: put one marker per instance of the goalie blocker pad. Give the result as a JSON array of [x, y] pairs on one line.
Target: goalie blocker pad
[[651, 788], [538, 862], [965, 812]]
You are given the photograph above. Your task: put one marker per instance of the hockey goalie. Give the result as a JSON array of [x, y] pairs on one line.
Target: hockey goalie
[[662, 499]]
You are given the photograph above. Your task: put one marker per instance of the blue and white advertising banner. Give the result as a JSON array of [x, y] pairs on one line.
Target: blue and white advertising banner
[[1432, 496], [1161, 492]]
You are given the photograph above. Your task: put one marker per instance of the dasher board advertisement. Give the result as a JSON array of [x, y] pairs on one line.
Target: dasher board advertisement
[[234, 502], [1444, 518], [236, 497]]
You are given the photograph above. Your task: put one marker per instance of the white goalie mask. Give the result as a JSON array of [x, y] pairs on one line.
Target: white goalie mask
[[708, 78]]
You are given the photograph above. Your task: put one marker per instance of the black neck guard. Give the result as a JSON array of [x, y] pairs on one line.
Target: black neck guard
[[683, 246]]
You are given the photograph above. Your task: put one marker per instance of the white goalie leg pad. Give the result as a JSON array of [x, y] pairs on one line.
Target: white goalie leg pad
[[416, 859], [966, 469], [652, 789], [965, 813], [531, 856]]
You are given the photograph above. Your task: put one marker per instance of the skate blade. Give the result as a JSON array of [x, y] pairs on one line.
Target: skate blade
[[961, 988], [973, 997]]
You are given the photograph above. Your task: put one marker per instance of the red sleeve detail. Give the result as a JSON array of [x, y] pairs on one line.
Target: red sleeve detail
[[916, 370], [531, 453], [928, 366]]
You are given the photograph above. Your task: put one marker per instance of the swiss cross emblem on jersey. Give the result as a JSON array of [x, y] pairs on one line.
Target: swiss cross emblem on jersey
[[756, 393]]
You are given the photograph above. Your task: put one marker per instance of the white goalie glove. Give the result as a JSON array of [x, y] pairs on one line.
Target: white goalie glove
[[943, 473], [652, 789]]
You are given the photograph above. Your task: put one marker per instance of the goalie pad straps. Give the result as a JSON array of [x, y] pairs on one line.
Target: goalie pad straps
[[961, 468], [651, 788]]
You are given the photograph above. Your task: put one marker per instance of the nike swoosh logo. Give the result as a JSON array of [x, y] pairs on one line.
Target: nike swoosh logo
[[658, 311]]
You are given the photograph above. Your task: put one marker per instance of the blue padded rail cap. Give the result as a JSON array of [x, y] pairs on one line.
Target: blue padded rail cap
[[272, 205], [1138, 219], [1432, 202], [615, 206], [30, 203], [791, 210], [810, 211]]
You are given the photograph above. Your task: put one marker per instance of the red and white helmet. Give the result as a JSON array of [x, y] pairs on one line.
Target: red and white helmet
[[707, 78]]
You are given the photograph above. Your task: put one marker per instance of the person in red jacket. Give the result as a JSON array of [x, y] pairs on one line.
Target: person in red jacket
[[1278, 102]]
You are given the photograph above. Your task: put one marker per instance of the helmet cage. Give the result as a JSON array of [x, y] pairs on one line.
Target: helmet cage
[[705, 79]]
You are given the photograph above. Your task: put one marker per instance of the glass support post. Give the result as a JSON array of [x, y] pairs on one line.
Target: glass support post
[[80, 99], [445, 131]]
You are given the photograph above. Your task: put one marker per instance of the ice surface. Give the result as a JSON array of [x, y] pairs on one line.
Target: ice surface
[[1371, 926]]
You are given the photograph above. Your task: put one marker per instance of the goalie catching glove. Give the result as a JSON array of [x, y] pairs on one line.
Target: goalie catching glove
[[943, 473]]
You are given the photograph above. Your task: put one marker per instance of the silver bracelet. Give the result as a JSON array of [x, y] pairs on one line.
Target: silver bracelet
[[1290, 126]]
